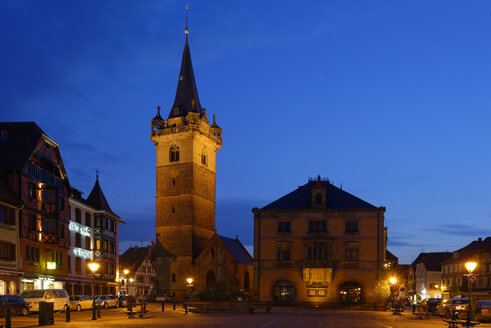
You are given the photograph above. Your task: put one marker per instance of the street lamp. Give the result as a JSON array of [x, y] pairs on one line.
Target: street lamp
[[190, 285], [393, 281], [126, 271], [93, 266], [470, 266]]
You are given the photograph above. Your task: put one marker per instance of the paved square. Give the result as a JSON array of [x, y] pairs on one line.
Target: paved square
[[280, 317]]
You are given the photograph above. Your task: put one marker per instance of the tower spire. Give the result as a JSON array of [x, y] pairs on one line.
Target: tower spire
[[186, 31], [187, 99]]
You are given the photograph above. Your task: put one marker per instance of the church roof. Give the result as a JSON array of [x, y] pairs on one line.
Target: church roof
[[237, 250], [21, 141], [187, 99], [336, 198], [97, 199]]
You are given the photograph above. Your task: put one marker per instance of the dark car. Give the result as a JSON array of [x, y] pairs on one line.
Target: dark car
[[146, 298], [16, 304], [124, 299], [449, 306], [480, 309], [429, 305]]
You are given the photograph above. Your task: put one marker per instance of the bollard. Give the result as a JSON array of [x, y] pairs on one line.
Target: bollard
[[8, 322], [130, 310], [185, 308], [163, 306], [98, 311], [144, 306], [414, 308], [174, 305], [67, 312]]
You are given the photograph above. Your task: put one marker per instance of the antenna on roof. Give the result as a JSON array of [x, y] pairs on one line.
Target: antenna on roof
[[341, 186], [97, 174], [186, 31]]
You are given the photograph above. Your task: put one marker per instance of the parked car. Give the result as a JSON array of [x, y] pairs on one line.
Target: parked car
[[165, 298], [430, 304], [145, 297], [480, 308], [59, 297], [448, 305], [107, 301], [16, 304], [80, 302]]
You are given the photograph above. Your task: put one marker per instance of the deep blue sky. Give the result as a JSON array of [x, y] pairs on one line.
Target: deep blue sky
[[390, 98]]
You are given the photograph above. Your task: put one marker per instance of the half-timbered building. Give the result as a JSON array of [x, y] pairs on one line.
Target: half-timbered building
[[35, 173]]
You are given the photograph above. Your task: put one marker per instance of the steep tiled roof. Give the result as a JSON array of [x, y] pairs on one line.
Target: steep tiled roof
[[336, 198], [21, 140], [133, 257], [97, 199], [237, 250], [390, 257], [432, 261], [186, 87]]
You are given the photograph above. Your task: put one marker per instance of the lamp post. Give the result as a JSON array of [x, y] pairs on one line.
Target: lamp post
[[126, 271], [470, 266], [93, 266], [392, 281], [190, 285], [131, 282]]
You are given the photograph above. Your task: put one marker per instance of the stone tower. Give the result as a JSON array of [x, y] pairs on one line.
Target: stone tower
[[186, 147]]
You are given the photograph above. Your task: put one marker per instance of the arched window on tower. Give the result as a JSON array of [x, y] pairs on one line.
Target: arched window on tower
[[174, 154], [246, 280], [318, 198]]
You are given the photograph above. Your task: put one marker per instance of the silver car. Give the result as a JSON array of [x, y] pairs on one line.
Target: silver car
[[80, 302], [107, 301]]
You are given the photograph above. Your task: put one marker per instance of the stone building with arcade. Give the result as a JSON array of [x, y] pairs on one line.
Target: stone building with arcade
[[318, 244]]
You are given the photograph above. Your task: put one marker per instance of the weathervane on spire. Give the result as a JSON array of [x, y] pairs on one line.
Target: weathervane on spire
[[97, 174], [186, 31]]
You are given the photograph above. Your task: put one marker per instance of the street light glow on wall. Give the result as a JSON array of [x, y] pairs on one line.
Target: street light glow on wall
[[470, 266]]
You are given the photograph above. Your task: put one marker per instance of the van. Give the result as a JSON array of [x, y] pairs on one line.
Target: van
[[59, 298]]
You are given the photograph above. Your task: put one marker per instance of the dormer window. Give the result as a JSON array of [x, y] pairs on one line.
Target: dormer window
[[193, 104], [176, 110], [174, 154]]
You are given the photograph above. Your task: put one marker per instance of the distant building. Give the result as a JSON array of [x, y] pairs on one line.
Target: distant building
[[453, 280], [10, 205], [140, 279], [37, 176], [318, 244], [186, 146], [424, 275]]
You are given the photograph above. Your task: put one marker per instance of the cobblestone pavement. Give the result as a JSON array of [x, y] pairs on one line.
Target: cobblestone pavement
[[280, 317]]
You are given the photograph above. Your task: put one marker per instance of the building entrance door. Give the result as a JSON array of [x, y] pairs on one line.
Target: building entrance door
[[284, 292], [350, 292]]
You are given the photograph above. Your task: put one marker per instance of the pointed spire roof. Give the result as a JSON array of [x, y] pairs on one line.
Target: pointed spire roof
[[97, 199], [187, 99]]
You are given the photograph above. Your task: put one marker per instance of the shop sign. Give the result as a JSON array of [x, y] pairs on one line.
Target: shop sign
[[86, 254], [76, 227], [51, 265]]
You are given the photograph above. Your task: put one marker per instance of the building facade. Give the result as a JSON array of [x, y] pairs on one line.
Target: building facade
[[10, 205], [454, 273], [318, 244], [37, 176], [140, 276], [81, 249], [424, 276], [224, 263]]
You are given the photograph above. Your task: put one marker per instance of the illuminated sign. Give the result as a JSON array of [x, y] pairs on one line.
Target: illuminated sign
[[51, 265], [86, 254], [76, 227]]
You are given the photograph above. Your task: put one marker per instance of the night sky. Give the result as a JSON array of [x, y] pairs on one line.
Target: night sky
[[391, 99]]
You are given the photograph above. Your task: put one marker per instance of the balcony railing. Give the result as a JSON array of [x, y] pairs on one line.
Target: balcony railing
[[44, 176]]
